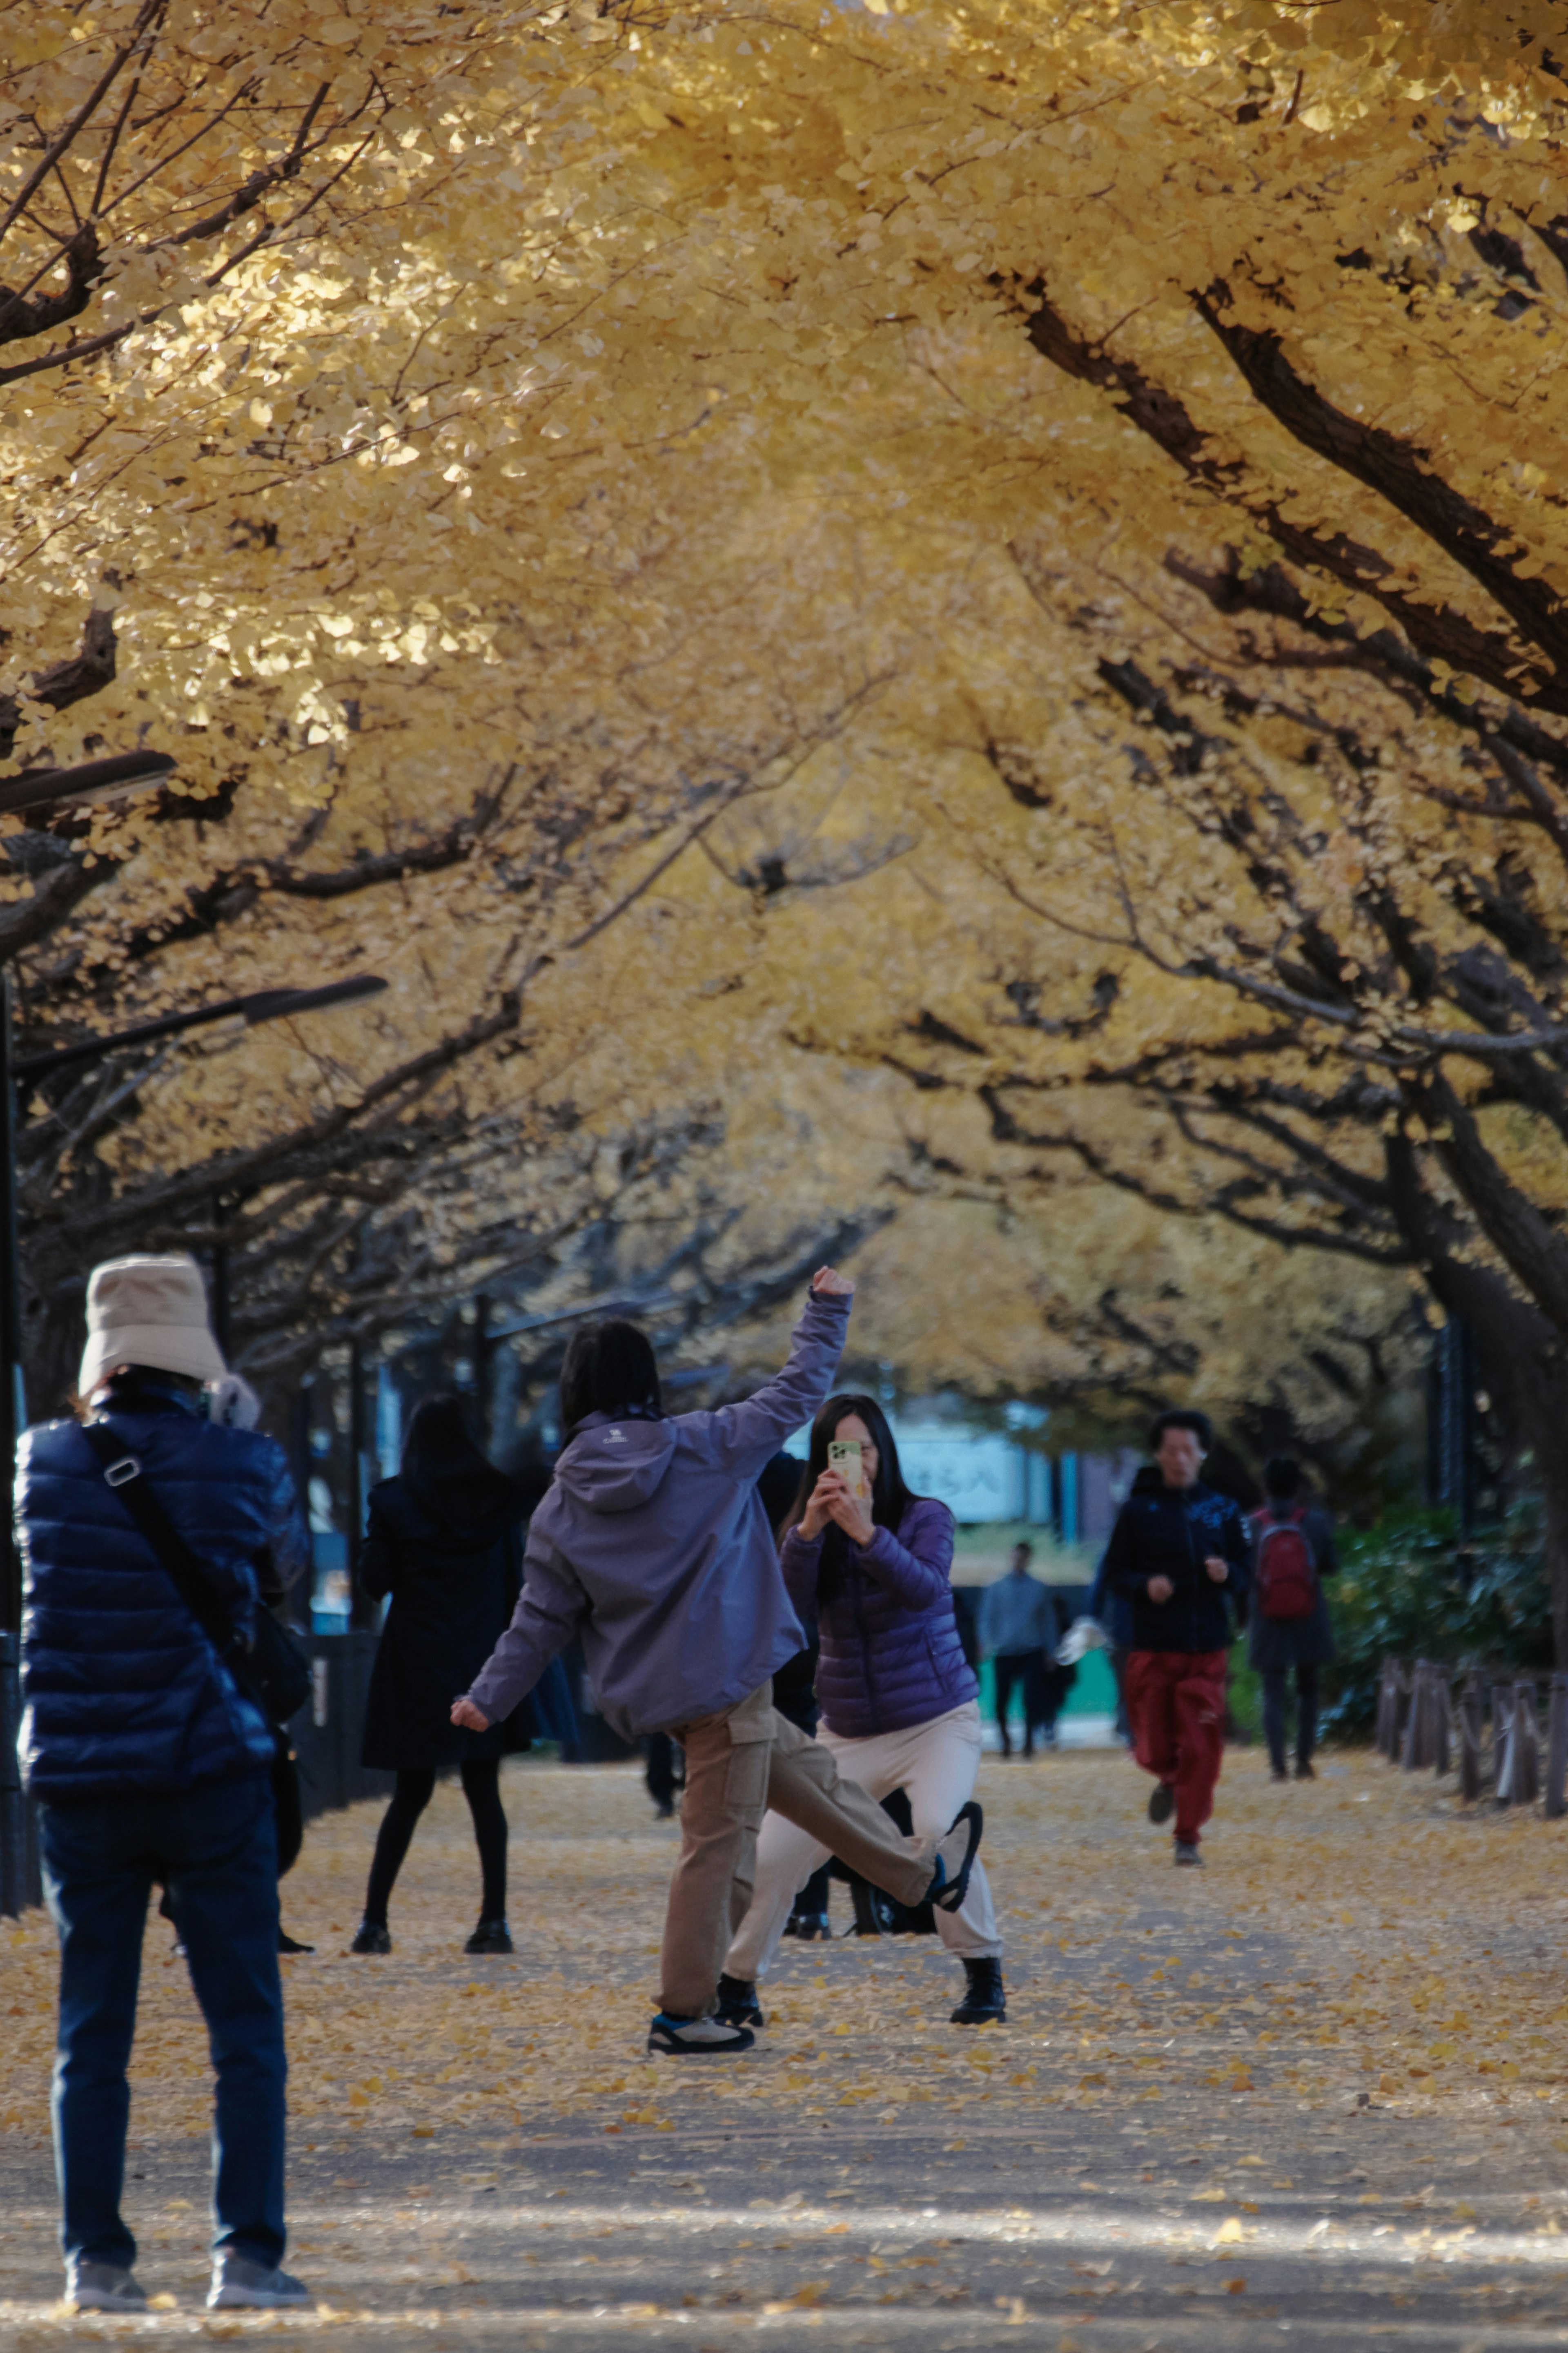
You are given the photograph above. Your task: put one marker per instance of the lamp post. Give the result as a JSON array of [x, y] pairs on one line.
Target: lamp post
[[17, 1077]]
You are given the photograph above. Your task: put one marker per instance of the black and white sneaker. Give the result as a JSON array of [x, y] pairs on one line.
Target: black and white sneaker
[[696, 2038], [955, 1856], [738, 2003], [1161, 1802], [241, 2285], [103, 2287]]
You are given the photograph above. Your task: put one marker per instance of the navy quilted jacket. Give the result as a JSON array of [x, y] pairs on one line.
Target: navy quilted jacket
[[123, 1693], [890, 1653]]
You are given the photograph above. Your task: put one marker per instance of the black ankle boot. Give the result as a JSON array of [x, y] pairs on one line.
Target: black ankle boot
[[738, 2004], [983, 2003]]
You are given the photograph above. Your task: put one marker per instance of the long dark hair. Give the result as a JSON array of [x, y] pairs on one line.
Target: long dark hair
[[445, 1468], [610, 1368], [891, 1499]]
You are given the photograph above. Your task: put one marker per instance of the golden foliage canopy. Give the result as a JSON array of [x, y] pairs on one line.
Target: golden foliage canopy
[[1070, 476]]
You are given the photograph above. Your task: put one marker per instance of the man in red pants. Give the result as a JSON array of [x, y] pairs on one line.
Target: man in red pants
[[1179, 1555]]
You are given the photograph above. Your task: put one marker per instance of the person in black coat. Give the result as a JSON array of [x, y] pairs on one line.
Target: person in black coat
[[1275, 1645], [445, 1541]]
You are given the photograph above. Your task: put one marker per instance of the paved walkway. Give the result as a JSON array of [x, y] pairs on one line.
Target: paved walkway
[[1313, 2095]]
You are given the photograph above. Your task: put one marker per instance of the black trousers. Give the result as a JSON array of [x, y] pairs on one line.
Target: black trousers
[[661, 1771], [481, 1779], [1275, 1680], [1026, 1669]]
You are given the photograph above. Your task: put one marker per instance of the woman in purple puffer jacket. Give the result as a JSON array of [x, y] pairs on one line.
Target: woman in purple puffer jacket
[[900, 1703]]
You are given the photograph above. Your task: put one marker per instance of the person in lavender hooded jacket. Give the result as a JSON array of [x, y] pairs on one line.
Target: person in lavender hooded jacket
[[653, 1544], [899, 1701]]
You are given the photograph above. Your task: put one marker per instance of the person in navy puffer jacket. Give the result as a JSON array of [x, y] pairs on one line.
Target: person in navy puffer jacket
[[900, 1701], [150, 1763]]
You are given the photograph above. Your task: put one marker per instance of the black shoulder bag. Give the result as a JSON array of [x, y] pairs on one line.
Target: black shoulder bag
[[273, 1672]]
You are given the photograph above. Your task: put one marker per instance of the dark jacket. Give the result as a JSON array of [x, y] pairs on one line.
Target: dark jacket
[[1168, 1532], [453, 1567], [1276, 1642], [124, 1695], [1110, 1610], [889, 1655], [795, 1684]]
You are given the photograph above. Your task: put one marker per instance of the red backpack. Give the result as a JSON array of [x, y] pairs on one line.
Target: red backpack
[[1286, 1574]]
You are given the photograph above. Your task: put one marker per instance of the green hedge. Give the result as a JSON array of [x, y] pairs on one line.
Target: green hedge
[[1409, 1588]]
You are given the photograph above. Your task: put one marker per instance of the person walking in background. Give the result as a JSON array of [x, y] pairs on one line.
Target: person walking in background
[[1288, 1616], [1019, 1632], [1179, 1553], [898, 1699], [445, 1542], [653, 1544], [151, 1762]]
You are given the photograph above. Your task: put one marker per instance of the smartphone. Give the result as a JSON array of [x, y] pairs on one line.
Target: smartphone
[[843, 1456]]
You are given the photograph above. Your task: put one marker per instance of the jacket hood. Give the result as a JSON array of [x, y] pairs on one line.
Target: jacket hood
[[614, 1466]]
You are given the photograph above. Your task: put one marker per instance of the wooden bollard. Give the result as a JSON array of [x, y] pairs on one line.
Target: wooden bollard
[[1401, 1713], [1410, 1747], [1442, 1722], [1384, 1734], [1503, 1743], [1526, 1784], [1557, 1750], [1472, 1702]]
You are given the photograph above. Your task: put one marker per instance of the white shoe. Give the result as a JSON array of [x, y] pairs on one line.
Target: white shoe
[[103, 2287], [238, 2283], [696, 2038]]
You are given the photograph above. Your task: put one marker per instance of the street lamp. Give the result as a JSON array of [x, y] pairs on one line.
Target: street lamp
[[18, 1076]]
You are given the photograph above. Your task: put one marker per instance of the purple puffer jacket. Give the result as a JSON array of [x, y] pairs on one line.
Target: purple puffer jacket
[[890, 1652]]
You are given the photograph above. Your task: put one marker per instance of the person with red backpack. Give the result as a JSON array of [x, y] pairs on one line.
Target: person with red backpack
[[1293, 1551]]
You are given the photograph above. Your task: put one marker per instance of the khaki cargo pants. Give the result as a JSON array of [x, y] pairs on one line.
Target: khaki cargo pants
[[738, 1764]]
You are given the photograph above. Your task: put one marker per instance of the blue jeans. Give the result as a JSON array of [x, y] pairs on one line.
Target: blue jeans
[[215, 1848]]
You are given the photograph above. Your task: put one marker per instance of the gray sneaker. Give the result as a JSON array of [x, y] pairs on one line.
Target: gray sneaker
[[1187, 1856], [239, 2283], [103, 2287]]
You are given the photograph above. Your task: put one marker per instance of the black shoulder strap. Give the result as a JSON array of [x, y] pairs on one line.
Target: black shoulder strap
[[174, 1557]]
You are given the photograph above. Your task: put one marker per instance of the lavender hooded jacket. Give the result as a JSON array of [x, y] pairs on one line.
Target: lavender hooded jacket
[[891, 1655], [653, 1544]]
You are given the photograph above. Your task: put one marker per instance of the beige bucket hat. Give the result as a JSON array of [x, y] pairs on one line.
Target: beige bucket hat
[[148, 1311]]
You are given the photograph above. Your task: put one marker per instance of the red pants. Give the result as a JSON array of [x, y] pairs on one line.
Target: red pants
[[1175, 1703]]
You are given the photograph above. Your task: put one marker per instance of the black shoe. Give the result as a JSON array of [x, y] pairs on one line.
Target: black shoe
[[738, 2004], [1303, 1771], [983, 2003], [490, 1936], [372, 1938], [696, 2038], [1161, 1802], [1187, 1856], [286, 1944], [950, 1881], [1277, 1773], [807, 1925]]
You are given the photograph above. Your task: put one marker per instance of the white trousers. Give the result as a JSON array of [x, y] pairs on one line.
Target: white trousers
[[934, 1764]]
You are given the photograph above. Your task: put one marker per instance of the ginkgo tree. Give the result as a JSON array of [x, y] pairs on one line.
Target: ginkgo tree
[[594, 424]]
